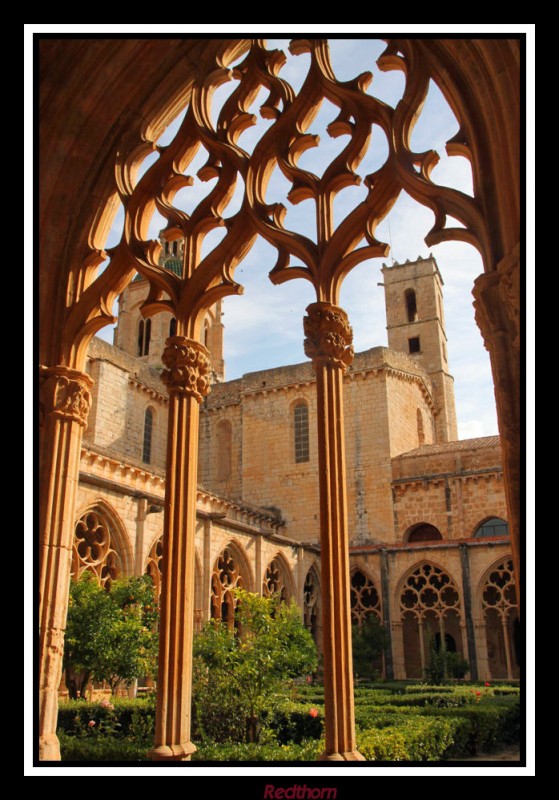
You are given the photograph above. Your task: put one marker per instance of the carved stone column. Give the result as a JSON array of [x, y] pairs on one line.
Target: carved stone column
[[328, 344], [398, 651], [188, 379], [497, 308], [65, 400]]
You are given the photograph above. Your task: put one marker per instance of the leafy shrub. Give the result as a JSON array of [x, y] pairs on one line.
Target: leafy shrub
[[273, 649], [444, 664], [293, 722]]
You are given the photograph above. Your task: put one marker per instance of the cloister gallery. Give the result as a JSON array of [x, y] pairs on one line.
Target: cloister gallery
[[339, 482]]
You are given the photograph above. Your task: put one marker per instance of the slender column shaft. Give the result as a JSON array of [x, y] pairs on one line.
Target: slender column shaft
[[421, 643], [207, 571], [258, 564], [385, 589], [65, 400], [497, 308], [187, 378], [467, 594], [507, 647], [328, 343]]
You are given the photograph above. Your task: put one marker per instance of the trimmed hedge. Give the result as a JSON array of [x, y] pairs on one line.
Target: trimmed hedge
[[415, 724], [128, 718], [101, 748], [415, 739], [489, 725], [305, 751]]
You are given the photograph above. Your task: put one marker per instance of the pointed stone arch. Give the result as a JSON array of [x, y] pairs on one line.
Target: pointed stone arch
[[497, 606], [430, 614], [231, 571], [365, 594], [312, 607], [101, 543], [278, 578]]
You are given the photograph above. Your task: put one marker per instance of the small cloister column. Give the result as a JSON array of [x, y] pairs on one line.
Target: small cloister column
[[65, 403], [328, 344], [187, 377]]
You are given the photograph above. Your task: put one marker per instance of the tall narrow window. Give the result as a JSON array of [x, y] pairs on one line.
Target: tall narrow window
[[411, 305], [141, 328], [147, 337], [175, 246], [224, 450], [148, 434], [301, 424], [420, 429], [206, 334], [173, 327], [144, 335]]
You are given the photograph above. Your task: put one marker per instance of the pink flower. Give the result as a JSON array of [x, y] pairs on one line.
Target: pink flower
[[309, 678], [487, 683], [314, 712], [478, 694], [91, 723]]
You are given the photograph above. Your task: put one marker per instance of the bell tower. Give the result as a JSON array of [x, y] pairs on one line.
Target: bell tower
[[415, 325], [145, 338]]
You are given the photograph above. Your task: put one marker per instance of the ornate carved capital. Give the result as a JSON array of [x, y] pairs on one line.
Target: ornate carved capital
[[328, 335], [65, 393], [497, 300], [509, 289], [188, 367]]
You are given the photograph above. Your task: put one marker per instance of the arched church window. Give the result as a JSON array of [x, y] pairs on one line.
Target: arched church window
[[364, 598], [93, 549], [301, 430], [492, 527], [148, 436], [411, 305], [420, 428], [224, 443], [173, 327], [144, 336], [423, 532]]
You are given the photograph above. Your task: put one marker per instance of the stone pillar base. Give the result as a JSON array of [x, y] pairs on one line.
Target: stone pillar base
[[175, 752], [49, 747], [352, 755]]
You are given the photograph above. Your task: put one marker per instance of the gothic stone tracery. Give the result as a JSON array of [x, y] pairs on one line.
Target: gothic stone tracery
[[93, 549]]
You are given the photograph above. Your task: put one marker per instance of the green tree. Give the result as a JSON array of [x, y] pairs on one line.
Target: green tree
[[368, 643], [245, 669], [111, 635]]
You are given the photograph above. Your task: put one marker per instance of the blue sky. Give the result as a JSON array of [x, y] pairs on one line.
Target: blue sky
[[263, 328]]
